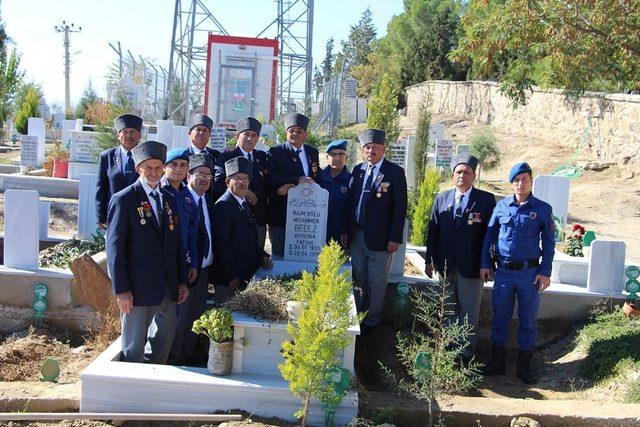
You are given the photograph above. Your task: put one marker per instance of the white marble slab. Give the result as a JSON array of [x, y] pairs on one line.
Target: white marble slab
[[87, 218], [77, 169], [180, 138], [43, 220], [569, 270], [165, 132], [28, 153], [36, 128], [306, 230], [606, 267], [555, 191], [67, 127], [397, 261], [21, 240]]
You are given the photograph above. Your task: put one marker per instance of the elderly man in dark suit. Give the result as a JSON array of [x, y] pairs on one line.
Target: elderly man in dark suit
[[146, 259], [457, 227], [378, 213], [200, 133], [239, 253], [290, 164], [248, 132], [116, 168]]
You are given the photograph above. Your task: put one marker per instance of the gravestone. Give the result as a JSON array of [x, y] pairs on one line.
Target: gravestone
[[36, 128], [67, 127], [58, 118], [87, 218], [464, 149], [43, 225], [397, 152], [92, 285], [409, 166], [165, 132], [396, 272], [218, 139], [443, 153], [606, 267], [306, 230], [84, 153], [21, 241], [555, 191], [436, 132], [180, 137], [28, 153]]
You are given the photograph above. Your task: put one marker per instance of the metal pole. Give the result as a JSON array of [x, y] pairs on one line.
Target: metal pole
[[171, 76], [309, 74], [189, 56], [66, 29]]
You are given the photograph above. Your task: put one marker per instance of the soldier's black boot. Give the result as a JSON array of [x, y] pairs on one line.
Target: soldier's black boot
[[496, 365], [523, 369]]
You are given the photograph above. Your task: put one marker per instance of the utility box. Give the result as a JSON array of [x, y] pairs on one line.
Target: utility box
[[240, 79]]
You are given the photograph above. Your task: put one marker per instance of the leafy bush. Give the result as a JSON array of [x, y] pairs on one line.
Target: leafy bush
[[422, 211], [483, 147], [29, 108], [422, 142], [216, 323], [63, 254], [382, 110]]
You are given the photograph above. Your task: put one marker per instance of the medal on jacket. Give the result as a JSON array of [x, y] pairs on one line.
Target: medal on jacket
[[470, 220], [117, 159], [141, 213], [169, 213], [378, 194]]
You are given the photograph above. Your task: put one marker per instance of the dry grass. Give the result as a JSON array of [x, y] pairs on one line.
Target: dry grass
[[106, 329], [264, 299]]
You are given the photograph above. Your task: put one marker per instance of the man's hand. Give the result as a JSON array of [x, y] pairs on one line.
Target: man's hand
[[193, 274], [306, 179], [267, 264], [251, 198], [393, 246], [284, 189], [485, 274], [543, 280], [102, 225], [428, 270], [344, 240], [183, 293], [234, 284], [125, 301]]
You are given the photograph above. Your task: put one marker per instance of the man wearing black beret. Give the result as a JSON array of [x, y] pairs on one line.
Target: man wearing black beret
[[247, 132], [377, 216], [239, 253], [146, 258], [199, 126], [290, 164], [458, 223], [116, 168]]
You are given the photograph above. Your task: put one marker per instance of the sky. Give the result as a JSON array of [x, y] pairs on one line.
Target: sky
[[145, 27]]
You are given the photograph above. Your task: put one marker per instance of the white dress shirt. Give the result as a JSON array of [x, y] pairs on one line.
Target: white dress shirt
[[208, 260], [152, 201]]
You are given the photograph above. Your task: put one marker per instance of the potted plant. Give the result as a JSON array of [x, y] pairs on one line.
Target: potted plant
[[60, 157], [217, 324]]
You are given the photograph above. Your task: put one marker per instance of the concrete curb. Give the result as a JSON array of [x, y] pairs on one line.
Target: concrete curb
[[39, 404]]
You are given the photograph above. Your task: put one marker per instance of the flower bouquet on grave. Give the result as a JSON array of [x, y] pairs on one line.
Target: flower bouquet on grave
[[217, 324], [572, 244]]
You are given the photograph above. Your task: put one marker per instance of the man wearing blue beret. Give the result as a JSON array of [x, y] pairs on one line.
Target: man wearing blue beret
[[521, 228], [377, 215], [116, 169], [335, 179], [457, 227]]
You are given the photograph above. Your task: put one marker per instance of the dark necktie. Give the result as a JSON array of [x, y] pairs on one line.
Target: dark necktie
[[202, 233], [366, 193], [129, 169], [300, 160], [249, 157], [459, 218], [248, 212]]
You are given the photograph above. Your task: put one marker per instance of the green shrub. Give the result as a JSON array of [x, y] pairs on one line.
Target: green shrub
[[483, 147], [216, 323], [422, 210], [422, 142], [29, 108], [382, 110]]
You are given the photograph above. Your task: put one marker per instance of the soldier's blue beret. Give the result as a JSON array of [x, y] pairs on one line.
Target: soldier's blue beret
[[200, 119], [296, 119], [127, 121], [517, 169], [177, 153], [238, 165], [340, 144], [248, 123], [200, 159], [464, 159], [372, 136], [149, 150]]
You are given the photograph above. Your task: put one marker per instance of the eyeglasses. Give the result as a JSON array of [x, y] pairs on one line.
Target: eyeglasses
[[206, 176], [337, 155], [240, 178]]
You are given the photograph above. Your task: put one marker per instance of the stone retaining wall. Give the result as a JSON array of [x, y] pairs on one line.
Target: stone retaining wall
[[613, 132]]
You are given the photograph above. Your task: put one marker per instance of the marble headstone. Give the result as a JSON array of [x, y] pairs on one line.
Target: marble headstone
[[606, 267], [555, 191], [165, 132], [28, 152], [306, 229], [43, 225], [36, 128], [180, 137], [397, 261], [21, 240], [409, 166], [218, 139], [67, 127], [444, 153], [84, 146], [436, 132], [87, 218]]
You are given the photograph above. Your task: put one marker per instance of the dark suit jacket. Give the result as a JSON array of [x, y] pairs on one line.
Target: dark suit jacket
[[285, 168], [211, 195], [144, 258], [384, 216], [236, 241], [257, 184], [110, 180], [460, 248]]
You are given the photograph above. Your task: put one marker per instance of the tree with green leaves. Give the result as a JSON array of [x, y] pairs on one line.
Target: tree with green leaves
[[428, 190], [10, 78], [483, 147], [382, 110], [357, 48], [575, 45], [422, 141], [89, 96], [28, 108]]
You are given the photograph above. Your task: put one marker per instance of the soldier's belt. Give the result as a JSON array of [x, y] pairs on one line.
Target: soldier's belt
[[519, 265]]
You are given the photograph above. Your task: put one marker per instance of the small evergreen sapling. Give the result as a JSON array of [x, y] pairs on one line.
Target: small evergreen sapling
[[432, 360], [321, 331]]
